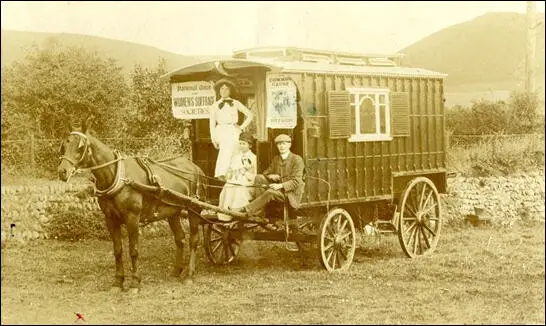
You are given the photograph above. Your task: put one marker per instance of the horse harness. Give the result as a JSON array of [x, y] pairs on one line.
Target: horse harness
[[120, 179]]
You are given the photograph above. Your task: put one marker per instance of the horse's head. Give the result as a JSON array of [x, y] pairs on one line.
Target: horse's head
[[75, 152]]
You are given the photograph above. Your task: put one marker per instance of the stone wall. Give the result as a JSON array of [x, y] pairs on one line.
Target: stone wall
[[29, 208], [504, 200]]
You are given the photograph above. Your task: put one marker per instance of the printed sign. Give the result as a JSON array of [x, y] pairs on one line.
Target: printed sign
[[192, 100], [281, 102]]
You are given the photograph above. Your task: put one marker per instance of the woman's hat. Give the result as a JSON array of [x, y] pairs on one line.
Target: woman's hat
[[246, 136], [226, 81]]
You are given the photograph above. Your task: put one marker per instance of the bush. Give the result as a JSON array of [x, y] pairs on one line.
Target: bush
[[75, 221], [498, 155], [519, 116]]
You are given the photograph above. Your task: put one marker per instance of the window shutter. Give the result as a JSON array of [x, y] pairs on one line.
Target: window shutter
[[339, 114], [400, 125]]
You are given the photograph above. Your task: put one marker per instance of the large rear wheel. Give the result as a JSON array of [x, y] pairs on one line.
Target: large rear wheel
[[420, 221]]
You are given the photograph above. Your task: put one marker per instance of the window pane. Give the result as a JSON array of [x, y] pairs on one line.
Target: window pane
[[383, 119], [367, 117]]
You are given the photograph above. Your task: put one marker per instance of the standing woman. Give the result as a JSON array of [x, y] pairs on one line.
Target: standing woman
[[224, 128]]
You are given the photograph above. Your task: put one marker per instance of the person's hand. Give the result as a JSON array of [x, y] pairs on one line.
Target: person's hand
[[276, 186], [216, 145], [274, 177]]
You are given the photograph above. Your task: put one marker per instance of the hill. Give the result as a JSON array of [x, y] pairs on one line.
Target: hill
[[483, 54], [14, 44]]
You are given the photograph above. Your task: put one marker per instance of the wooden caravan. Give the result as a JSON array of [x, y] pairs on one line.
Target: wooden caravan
[[371, 133]]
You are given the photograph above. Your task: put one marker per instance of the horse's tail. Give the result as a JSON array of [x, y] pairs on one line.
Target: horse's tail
[[202, 185]]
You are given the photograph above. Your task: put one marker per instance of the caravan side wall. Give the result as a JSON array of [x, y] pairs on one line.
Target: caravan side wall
[[364, 171]]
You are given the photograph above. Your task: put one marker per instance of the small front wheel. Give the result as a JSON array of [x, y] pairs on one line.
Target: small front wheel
[[337, 240], [219, 244]]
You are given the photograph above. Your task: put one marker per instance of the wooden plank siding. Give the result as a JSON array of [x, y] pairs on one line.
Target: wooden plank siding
[[358, 171]]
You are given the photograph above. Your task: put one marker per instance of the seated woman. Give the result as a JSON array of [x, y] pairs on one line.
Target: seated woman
[[241, 173]]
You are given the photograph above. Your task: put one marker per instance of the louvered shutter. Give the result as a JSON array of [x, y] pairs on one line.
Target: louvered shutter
[[339, 114], [400, 125]]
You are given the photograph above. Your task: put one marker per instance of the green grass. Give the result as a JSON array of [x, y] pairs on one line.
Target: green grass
[[477, 276]]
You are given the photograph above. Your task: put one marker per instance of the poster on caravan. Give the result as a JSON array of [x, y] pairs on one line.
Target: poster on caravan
[[192, 100], [281, 102]]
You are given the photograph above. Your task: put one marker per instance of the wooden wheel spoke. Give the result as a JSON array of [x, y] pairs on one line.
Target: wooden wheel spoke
[[328, 246], [213, 250], [343, 254], [335, 258], [415, 236], [410, 209], [345, 235], [338, 223], [343, 225], [215, 237], [330, 255], [425, 204], [328, 237], [409, 218], [429, 230], [410, 227], [428, 209], [422, 196], [427, 242]]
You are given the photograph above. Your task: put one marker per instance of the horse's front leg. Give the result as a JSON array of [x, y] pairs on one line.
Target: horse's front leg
[[179, 239], [132, 231], [114, 227], [194, 239]]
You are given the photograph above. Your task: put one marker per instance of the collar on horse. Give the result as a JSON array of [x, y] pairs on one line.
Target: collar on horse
[[118, 183]]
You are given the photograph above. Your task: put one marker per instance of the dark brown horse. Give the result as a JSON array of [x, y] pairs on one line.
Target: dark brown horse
[[122, 202]]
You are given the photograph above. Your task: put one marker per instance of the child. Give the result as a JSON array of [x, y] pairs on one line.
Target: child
[[241, 173]]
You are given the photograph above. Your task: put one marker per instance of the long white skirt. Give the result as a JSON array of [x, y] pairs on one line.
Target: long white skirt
[[235, 194], [227, 136]]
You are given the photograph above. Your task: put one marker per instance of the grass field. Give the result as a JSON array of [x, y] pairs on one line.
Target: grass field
[[477, 275]]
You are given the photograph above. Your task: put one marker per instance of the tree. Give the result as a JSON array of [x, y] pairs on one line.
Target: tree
[[524, 112], [151, 103], [54, 85]]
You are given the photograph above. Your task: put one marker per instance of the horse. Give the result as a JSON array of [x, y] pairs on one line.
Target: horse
[[119, 184]]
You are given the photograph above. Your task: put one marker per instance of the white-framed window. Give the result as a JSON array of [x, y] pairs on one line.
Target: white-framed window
[[371, 111]]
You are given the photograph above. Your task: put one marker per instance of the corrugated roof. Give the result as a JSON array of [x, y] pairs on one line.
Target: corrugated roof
[[389, 71], [303, 66]]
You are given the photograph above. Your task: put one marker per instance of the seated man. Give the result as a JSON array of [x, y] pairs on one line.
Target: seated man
[[282, 180]]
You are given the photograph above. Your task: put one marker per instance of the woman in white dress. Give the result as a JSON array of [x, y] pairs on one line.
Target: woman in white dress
[[224, 128], [241, 173]]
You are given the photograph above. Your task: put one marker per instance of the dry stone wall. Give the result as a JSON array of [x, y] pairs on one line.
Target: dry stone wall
[[504, 200]]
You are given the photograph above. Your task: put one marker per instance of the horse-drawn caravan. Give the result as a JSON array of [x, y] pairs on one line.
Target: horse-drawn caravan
[[370, 132]]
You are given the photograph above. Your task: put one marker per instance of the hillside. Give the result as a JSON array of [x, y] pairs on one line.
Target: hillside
[[483, 54], [127, 54]]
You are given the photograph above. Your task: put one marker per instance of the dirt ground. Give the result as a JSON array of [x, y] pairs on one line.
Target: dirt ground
[[476, 276]]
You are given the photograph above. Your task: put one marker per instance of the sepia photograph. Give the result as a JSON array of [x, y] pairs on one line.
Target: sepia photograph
[[303, 162]]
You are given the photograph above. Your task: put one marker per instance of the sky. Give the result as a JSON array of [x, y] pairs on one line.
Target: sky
[[194, 28]]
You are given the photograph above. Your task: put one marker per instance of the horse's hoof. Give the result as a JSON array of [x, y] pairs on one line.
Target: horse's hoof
[[134, 290], [115, 289]]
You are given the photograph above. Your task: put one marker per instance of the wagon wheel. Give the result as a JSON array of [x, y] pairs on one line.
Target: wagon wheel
[[220, 246], [337, 240], [420, 220]]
